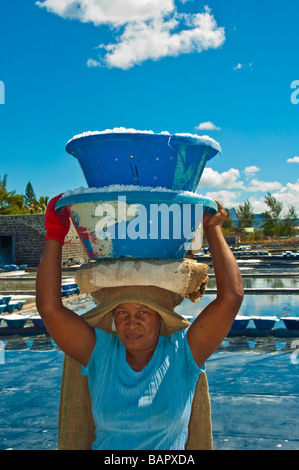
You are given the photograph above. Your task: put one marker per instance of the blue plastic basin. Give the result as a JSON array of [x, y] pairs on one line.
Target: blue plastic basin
[[15, 321], [134, 225], [291, 323], [155, 160], [11, 306], [20, 304], [240, 323], [264, 323], [6, 299]]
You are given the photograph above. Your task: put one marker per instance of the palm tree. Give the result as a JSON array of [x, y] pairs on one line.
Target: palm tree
[[41, 204], [12, 203], [6, 197]]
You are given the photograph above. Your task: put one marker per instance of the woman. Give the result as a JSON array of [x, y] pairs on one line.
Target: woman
[[141, 383]]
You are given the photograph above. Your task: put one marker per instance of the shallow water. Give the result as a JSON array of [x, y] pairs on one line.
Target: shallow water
[[265, 282], [253, 305]]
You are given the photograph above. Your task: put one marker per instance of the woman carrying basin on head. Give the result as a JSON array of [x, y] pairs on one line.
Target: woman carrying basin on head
[[141, 379]]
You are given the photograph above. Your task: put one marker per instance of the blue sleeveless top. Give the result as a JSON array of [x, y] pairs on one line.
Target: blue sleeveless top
[[149, 409]]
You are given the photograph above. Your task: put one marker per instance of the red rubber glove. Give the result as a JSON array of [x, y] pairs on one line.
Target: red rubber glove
[[57, 225]]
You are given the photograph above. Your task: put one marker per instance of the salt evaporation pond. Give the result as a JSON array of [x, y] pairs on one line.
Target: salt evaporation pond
[[265, 282], [253, 305]]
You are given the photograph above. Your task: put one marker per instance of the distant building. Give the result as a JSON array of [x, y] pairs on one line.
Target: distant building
[[22, 241], [232, 240]]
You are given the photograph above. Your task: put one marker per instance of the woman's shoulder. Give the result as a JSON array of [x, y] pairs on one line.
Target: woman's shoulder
[[105, 338], [178, 344], [177, 339], [104, 347], [105, 342]]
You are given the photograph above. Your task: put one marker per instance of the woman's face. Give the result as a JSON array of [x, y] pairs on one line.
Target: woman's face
[[137, 326]]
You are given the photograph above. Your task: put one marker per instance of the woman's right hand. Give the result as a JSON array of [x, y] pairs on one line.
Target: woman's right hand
[[57, 225], [69, 331]]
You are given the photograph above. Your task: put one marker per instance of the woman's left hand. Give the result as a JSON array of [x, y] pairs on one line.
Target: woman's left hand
[[211, 221]]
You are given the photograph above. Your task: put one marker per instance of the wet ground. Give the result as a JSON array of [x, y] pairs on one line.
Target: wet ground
[[254, 392]]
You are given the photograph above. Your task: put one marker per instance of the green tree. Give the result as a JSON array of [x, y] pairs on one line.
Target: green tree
[[228, 225], [30, 199], [245, 215], [17, 205], [6, 197], [271, 218], [289, 222], [12, 203], [41, 204]]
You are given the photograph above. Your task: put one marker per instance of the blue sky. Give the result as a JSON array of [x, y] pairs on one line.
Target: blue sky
[[162, 65]]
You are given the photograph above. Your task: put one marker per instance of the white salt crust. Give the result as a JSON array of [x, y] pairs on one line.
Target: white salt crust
[[124, 187], [122, 130]]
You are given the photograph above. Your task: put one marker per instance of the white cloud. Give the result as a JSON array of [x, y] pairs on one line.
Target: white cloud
[[293, 160], [228, 199], [227, 179], [243, 66], [145, 29], [93, 63], [263, 186], [162, 37], [289, 195], [259, 205], [249, 170], [238, 67], [230, 191], [116, 12], [207, 126]]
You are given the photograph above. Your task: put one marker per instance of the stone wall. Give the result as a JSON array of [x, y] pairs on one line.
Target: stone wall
[[28, 235]]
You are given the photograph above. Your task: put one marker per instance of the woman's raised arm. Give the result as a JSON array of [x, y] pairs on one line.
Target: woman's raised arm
[[70, 332], [213, 324]]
